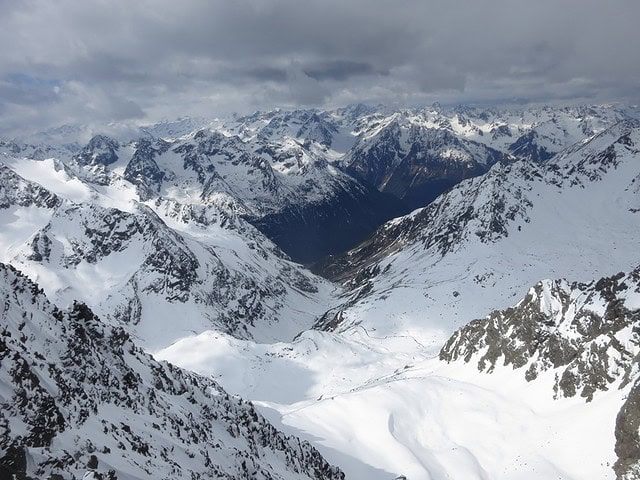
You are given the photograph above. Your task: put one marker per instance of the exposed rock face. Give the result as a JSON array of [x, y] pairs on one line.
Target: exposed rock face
[[101, 150], [16, 191], [143, 171], [416, 164], [527, 147], [163, 265], [586, 333], [74, 389], [628, 437]]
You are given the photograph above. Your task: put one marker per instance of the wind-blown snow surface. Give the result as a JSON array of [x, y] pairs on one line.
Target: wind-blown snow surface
[[378, 412]]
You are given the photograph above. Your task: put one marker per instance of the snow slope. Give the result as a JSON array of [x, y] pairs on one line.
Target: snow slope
[[537, 400], [72, 387]]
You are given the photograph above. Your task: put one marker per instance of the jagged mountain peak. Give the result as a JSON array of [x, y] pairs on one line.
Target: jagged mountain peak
[[276, 180], [101, 150]]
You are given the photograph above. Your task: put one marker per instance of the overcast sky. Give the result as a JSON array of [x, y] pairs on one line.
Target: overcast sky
[[96, 61]]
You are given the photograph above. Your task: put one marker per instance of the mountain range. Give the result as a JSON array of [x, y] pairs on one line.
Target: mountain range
[[461, 305]]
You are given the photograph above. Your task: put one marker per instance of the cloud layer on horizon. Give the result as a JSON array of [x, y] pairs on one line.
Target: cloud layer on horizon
[[74, 61]]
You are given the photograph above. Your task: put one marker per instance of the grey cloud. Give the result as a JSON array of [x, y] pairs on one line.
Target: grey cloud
[[338, 70], [163, 57], [25, 90], [268, 74]]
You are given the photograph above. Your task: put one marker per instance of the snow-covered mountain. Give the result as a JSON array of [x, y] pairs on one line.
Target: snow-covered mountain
[[588, 335], [156, 233], [164, 270], [73, 388], [456, 258], [418, 154]]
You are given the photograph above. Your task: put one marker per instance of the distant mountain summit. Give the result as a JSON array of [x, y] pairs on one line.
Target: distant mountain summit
[[507, 227]]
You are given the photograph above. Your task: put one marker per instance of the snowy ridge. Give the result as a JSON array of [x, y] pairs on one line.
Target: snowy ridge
[[172, 129], [589, 335], [134, 269], [490, 206], [73, 387], [306, 125]]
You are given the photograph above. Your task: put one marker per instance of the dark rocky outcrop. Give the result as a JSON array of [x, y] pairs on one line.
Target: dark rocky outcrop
[[627, 467], [585, 332], [101, 150]]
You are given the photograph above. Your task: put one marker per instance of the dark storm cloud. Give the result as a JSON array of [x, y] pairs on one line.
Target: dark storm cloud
[[120, 59], [338, 70], [267, 74]]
